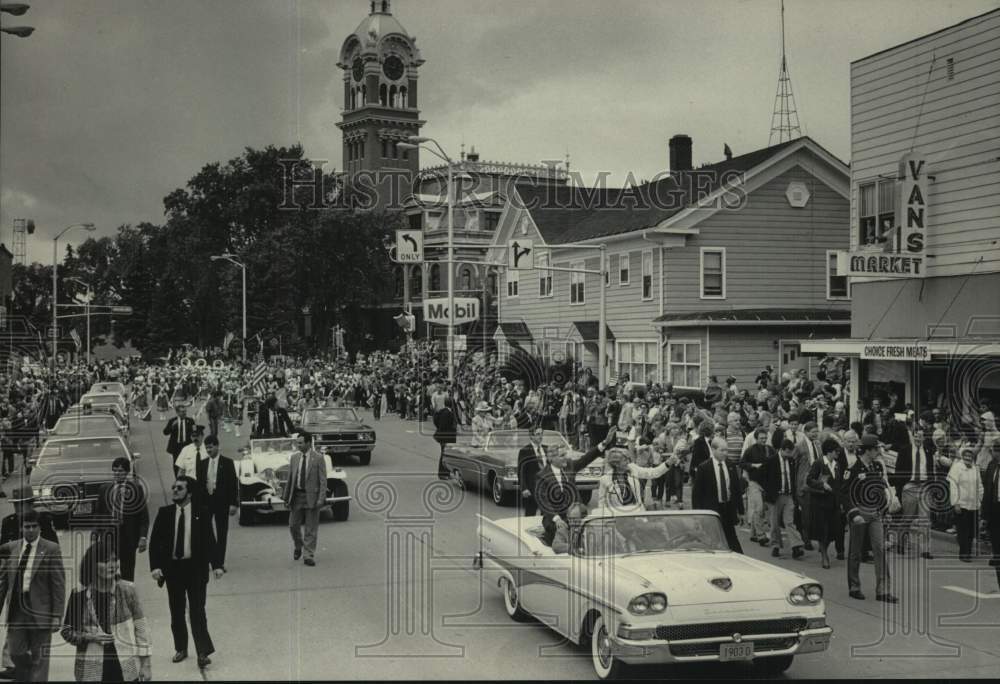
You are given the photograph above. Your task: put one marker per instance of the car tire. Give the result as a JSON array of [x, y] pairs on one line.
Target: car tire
[[341, 509], [247, 517], [456, 476], [585, 496], [606, 666], [774, 665], [500, 497], [512, 602], [365, 458]]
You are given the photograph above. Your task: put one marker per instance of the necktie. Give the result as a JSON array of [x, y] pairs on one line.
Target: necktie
[[22, 567], [302, 471], [181, 531], [180, 430], [723, 494], [213, 464], [784, 475]]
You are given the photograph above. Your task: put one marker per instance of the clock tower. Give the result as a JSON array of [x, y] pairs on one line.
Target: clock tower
[[380, 62]]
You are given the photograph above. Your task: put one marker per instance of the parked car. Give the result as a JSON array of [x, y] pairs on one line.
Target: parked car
[[339, 430], [109, 388], [262, 470], [654, 588], [492, 467], [70, 473]]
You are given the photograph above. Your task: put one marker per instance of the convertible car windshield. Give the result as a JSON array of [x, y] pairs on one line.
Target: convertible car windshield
[[653, 534], [273, 446], [329, 415], [515, 439]]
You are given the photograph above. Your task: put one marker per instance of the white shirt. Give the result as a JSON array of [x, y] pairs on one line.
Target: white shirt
[[832, 467], [786, 477], [211, 474], [540, 454], [919, 464], [559, 476], [188, 458], [187, 526], [26, 584], [966, 486]]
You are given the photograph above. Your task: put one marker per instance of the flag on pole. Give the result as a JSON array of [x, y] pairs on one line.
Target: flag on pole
[[76, 338], [227, 340], [257, 382]]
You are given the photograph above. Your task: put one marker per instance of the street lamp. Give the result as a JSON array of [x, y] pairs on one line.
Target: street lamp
[[55, 285], [414, 142], [231, 258], [90, 297]]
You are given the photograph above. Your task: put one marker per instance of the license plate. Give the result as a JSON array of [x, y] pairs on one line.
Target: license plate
[[740, 651], [84, 508], [340, 449]]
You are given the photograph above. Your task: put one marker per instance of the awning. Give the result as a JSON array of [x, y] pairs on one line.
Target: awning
[[873, 348], [754, 317], [589, 331]]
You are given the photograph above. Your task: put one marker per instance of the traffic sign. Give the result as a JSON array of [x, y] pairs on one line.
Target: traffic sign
[[466, 310], [520, 255], [409, 246], [122, 310]]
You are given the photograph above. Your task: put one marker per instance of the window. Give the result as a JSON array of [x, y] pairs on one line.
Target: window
[[612, 267], [435, 278], [638, 359], [466, 279], [876, 211], [416, 221], [513, 280], [647, 275], [576, 283], [490, 220], [713, 272], [623, 268], [836, 286], [544, 276], [685, 363]]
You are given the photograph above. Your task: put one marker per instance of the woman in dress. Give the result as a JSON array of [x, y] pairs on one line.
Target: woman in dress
[[620, 488]]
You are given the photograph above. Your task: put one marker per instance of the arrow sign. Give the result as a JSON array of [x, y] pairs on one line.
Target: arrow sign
[[519, 255], [409, 246]]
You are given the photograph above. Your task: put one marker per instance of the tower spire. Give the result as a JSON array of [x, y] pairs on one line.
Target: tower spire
[[785, 119]]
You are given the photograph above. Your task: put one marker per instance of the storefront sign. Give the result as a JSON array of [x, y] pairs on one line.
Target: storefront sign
[[466, 310], [917, 351], [879, 263]]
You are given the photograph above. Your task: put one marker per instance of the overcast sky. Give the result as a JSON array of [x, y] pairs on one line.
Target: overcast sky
[[112, 104]]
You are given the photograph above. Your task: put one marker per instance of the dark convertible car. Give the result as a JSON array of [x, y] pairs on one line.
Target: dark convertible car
[[339, 430]]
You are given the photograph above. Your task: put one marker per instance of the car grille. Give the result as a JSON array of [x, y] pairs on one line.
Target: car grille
[[759, 646], [725, 629], [340, 437]]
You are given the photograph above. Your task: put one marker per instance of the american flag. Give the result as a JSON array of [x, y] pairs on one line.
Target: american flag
[[257, 382]]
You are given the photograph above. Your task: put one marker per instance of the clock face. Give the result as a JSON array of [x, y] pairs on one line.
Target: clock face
[[393, 67], [358, 68]]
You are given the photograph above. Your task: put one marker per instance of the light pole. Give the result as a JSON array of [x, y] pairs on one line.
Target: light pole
[[415, 141], [86, 311], [231, 258], [55, 285]]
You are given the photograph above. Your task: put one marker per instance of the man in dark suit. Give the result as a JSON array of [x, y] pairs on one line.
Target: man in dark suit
[[272, 420], [913, 480], [178, 430], [50, 408], [717, 488], [555, 486], [219, 491], [530, 460], [991, 507], [10, 528], [305, 495], [125, 499], [807, 452], [182, 547], [33, 577], [824, 480], [701, 450]]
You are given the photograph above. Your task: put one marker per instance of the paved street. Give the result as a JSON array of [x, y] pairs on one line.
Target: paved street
[[274, 619]]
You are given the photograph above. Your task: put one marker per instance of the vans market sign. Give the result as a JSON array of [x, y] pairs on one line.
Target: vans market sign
[[907, 258]]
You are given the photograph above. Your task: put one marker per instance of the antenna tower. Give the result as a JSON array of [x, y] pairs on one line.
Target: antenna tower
[[785, 119], [21, 231]]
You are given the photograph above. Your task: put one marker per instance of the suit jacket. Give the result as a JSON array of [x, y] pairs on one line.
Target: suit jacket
[[905, 465], [48, 583], [204, 550], [705, 492], [772, 479], [10, 528], [283, 424], [990, 505], [315, 479], [804, 463], [174, 443], [821, 499], [528, 467], [227, 485], [134, 512], [554, 497], [699, 454]]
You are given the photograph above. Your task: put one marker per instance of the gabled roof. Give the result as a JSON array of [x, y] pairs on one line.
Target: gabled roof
[[589, 331], [515, 330], [571, 214], [721, 317]]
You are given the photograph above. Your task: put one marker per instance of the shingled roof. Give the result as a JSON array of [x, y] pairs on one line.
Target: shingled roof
[[570, 214]]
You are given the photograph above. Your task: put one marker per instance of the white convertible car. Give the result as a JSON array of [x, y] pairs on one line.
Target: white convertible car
[[654, 588], [263, 472]]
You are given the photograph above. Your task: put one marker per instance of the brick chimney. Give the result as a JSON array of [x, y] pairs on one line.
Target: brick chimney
[[680, 153]]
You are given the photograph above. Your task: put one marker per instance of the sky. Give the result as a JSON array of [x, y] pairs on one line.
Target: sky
[[112, 104]]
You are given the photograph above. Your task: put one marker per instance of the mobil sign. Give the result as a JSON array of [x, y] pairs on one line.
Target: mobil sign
[[466, 310]]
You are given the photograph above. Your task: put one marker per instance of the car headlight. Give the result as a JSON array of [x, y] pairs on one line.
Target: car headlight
[[647, 604], [636, 633], [42, 491], [806, 594], [370, 436]]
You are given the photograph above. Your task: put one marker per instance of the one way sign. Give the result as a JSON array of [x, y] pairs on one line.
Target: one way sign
[[520, 255], [409, 246]]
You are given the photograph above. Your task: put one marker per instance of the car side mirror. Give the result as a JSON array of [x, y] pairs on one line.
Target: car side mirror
[[136, 455]]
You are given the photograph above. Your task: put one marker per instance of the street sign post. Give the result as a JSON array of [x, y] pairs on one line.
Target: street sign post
[[409, 246], [520, 255]]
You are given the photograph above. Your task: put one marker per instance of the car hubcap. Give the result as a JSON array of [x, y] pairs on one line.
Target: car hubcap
[[497, 491], [603, 648], [511, 596]]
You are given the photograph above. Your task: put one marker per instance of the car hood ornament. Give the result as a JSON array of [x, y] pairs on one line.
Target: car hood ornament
[[723, 583]]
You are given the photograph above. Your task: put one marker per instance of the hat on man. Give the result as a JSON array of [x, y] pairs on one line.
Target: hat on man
[[22, 494], [869, 441], [482, 407]]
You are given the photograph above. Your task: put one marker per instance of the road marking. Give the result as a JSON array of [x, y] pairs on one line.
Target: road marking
[[974, 594]]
